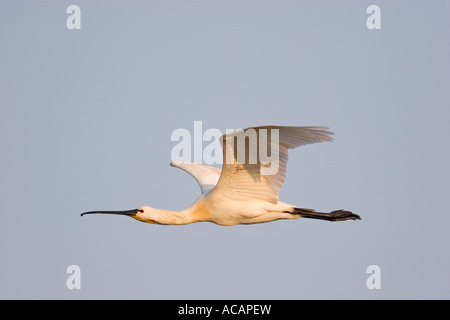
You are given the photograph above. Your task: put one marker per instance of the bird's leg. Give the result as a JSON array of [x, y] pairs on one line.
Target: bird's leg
[[337, 215]]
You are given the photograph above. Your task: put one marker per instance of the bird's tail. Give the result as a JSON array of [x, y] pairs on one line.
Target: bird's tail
[[337, 215]]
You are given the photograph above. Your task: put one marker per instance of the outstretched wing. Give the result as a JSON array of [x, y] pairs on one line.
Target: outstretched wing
[[243, 177], [206, 176]]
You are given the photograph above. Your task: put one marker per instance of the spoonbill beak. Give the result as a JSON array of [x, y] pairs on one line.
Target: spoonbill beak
[[126, 212]]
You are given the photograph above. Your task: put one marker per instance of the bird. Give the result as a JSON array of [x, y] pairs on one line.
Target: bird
[[244, 191]]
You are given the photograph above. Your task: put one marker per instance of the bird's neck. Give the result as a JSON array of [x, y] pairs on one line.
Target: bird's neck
[[159, 216], [196, 213]]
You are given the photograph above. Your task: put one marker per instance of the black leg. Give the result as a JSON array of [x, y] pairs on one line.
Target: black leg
[[337, 215]]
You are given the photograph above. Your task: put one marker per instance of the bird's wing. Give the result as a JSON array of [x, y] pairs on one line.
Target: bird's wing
[[241, 179], [206, 176]]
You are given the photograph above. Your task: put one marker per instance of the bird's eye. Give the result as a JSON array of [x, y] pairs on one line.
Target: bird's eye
[[140, 211]]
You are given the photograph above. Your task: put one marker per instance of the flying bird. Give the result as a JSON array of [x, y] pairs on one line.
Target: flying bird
[[245, 190]]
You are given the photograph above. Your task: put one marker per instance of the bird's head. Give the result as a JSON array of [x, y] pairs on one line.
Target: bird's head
[[144, 214]]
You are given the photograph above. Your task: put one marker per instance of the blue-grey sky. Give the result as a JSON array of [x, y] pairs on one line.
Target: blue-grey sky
[[86, 118]]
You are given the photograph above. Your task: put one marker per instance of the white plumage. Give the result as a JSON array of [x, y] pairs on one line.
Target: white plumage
[[206, 176], [241, 192]]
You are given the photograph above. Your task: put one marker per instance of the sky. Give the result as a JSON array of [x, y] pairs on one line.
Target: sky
[[86, 118]]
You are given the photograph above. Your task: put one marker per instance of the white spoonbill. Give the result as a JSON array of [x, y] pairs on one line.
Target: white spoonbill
[[240, 192]]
